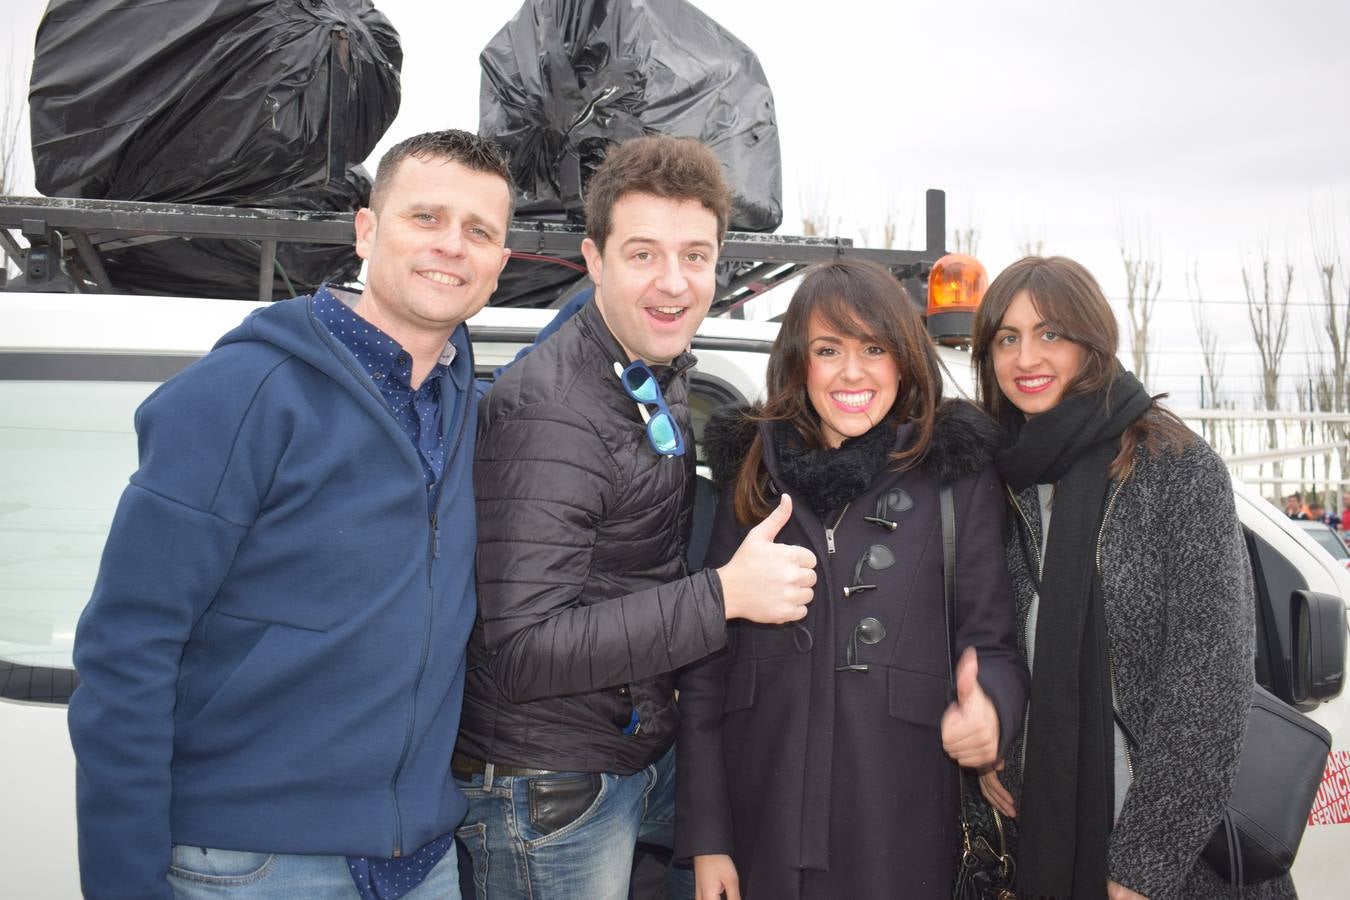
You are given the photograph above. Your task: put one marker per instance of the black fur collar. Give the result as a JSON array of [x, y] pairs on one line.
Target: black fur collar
[[827, 479], [964, 440]]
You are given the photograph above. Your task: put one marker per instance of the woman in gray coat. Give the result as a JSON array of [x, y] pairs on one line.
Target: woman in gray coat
[[1134, 603]]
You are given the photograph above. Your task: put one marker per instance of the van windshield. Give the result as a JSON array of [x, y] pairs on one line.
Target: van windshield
[[1328, 538]]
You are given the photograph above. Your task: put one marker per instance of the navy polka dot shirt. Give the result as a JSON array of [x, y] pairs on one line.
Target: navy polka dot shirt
[[419, 413]]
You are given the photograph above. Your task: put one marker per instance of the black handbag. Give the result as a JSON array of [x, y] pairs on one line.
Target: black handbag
[[1278, 774], [986, 871]]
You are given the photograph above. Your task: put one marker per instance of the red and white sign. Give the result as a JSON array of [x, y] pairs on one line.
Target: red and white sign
[[1332, 806]]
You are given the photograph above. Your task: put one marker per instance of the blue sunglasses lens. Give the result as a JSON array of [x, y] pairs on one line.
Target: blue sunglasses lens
[[641, 385], [662, 432]]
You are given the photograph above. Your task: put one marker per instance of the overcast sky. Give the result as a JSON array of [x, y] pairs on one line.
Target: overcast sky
[[1207, 129]]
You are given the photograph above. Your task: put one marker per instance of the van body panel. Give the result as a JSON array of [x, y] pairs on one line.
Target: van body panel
[[52, 345]]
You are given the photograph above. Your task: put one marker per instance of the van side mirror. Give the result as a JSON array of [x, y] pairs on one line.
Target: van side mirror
[[1318, 651]]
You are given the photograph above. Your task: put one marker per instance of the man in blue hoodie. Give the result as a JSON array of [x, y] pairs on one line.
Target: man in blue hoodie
[[272, 661]]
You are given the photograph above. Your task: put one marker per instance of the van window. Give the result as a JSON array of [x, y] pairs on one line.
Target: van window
[[707, 393], [67, 448]]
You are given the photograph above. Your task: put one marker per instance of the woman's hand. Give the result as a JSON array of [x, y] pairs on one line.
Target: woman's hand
[[970, 725], [714, 877], [1120, 892], [994, 791]]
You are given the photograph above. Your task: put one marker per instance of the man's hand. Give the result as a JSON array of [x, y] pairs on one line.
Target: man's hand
[[714, 877], [970, 725], [768, 582], [992, 787], [1113, 892]]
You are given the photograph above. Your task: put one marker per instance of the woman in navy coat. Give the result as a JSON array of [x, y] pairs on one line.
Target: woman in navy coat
[[818, 759]]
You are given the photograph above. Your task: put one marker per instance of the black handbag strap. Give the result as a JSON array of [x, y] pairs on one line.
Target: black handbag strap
[[948, 512]]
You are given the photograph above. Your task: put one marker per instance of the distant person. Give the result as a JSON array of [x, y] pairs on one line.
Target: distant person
[[1318, 513], [815, 757], [1134, 597], [585, 477], [272, 661], [1293, 507]]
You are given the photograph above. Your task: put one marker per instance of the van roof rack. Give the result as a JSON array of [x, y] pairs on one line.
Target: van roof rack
[[63, 239]]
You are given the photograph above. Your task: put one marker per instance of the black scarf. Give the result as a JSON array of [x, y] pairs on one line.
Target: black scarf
[[827, 479], [1067, 782]]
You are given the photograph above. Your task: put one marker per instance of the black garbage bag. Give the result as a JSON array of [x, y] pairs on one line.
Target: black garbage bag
[[564, 79], [540, 282], [205, 267], [226, 102]]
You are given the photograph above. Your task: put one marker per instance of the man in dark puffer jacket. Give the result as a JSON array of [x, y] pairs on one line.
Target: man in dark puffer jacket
[[586, 608]]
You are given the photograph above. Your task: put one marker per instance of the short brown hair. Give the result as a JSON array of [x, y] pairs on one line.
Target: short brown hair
[[660, 165], [1071, 303], [860, 300], [464, 147]]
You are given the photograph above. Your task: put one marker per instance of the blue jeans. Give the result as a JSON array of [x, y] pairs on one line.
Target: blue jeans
[[522, 848], [198, 873]]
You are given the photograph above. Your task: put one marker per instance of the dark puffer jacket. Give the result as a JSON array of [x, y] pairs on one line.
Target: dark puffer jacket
[[585, 605]]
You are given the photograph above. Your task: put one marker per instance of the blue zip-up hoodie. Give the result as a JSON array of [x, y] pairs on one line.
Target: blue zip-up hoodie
[[273, 656]]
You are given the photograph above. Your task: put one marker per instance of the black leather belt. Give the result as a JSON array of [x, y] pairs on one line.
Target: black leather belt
[[464, 767]]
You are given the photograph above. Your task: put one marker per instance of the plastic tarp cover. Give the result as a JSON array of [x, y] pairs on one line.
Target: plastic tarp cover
[[565, 79], [205, 267], [213, 101], [265, 103]]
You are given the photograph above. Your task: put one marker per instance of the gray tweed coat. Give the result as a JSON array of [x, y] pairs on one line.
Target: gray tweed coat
[[1177, 587]]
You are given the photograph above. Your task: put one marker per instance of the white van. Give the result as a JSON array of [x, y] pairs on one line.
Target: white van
[[73, 368]]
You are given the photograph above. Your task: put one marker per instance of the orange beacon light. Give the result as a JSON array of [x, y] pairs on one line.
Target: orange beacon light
[[955, 287]]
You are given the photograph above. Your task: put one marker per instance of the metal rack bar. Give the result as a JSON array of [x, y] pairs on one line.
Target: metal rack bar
[[102, 225]]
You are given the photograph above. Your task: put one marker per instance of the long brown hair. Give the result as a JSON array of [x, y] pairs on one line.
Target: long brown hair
[[1069, 300], [860, 300]]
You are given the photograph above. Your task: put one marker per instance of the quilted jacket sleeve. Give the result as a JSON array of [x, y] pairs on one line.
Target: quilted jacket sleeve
[[545, 482]]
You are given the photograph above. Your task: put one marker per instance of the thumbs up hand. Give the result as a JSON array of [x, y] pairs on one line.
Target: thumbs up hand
[[970, 725], [768, 582]]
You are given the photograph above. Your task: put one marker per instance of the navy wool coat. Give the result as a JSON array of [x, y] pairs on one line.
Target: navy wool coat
[[823, 783]]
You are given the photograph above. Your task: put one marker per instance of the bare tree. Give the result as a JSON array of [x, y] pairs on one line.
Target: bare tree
[[1324, 388], [890, 229], [1143, 282], [966, 240], [815, 205], [1268, 313], [1031, 246], [1334, 318], [1213, 360], [1309, 399], [12, 110]]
